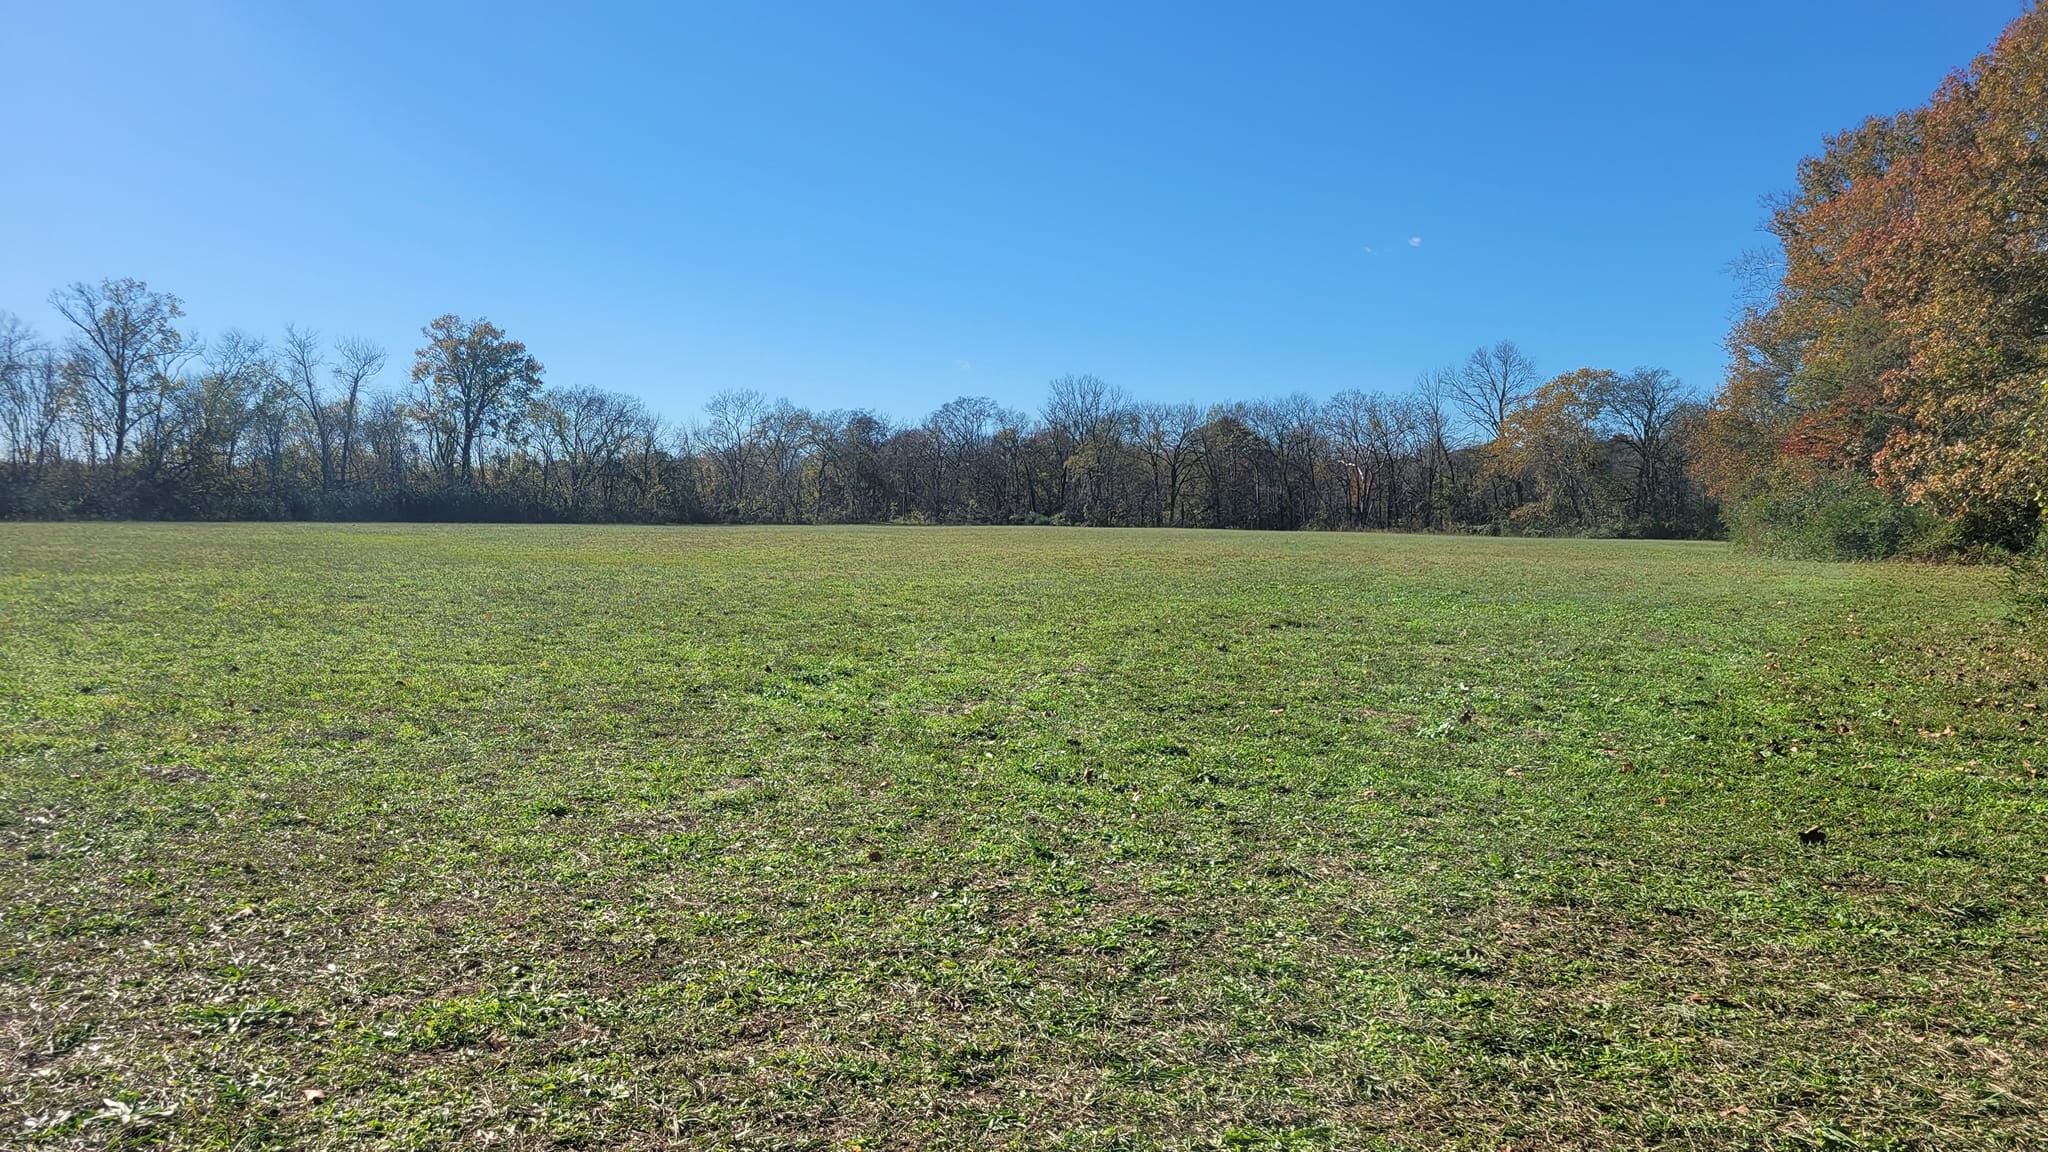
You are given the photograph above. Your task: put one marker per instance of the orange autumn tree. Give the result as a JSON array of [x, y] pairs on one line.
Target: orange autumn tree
[[1792, 434], [1890, 385], [1961, 268], [1551, 438]]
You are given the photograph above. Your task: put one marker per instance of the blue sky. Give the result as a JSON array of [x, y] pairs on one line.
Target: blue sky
[[890, 205]]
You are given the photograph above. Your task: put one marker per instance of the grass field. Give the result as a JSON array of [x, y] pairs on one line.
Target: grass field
[[812, 838]]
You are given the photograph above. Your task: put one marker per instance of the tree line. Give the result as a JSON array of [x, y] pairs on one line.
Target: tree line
[[1887, 393], [129, 415], [1886, 387]]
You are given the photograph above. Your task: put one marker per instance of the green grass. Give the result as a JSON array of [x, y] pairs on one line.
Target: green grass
[[405, 837]]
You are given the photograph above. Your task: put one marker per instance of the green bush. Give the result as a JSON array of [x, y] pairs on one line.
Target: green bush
[[1838, 517], [2027, 583]]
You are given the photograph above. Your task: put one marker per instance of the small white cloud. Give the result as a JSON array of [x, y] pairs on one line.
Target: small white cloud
[[1415, 241], [963, 365], [1369, 251]]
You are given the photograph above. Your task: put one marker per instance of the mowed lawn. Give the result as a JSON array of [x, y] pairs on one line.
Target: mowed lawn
[[529, 837]]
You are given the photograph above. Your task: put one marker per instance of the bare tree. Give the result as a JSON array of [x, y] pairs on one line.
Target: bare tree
[[18, 342], [586, 430], [1641, 409], [389, 441], [1393, 437], [300, 362], [1492, 383], [1291, 427], [962, 430], [49, 404], [1433, 401], [1086, 417], [1166, 435], [732, 433], [215, 410], [357, 362], [1077, 403], [787, 434], [19, 349], [1347, 424], [126, 343], [851, 477]]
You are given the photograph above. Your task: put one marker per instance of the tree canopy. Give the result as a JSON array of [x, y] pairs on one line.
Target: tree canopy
[[1886, 391], [241, 427]]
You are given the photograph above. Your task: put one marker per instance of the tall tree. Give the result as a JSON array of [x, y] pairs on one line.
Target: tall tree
[[126, 345], [301, 358], [1896, 359], [962, 433], [733, 433], [1087, 418], [1166, 436], [473, 381], [1551, 438], [584, 432], [1434, 401], [1958, 263], [1641, 409], [357, 361], [212, 418], [852, 473], [1491, 383]]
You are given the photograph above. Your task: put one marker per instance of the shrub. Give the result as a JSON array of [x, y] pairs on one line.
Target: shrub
[[2027, 582], [1841, 516]]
